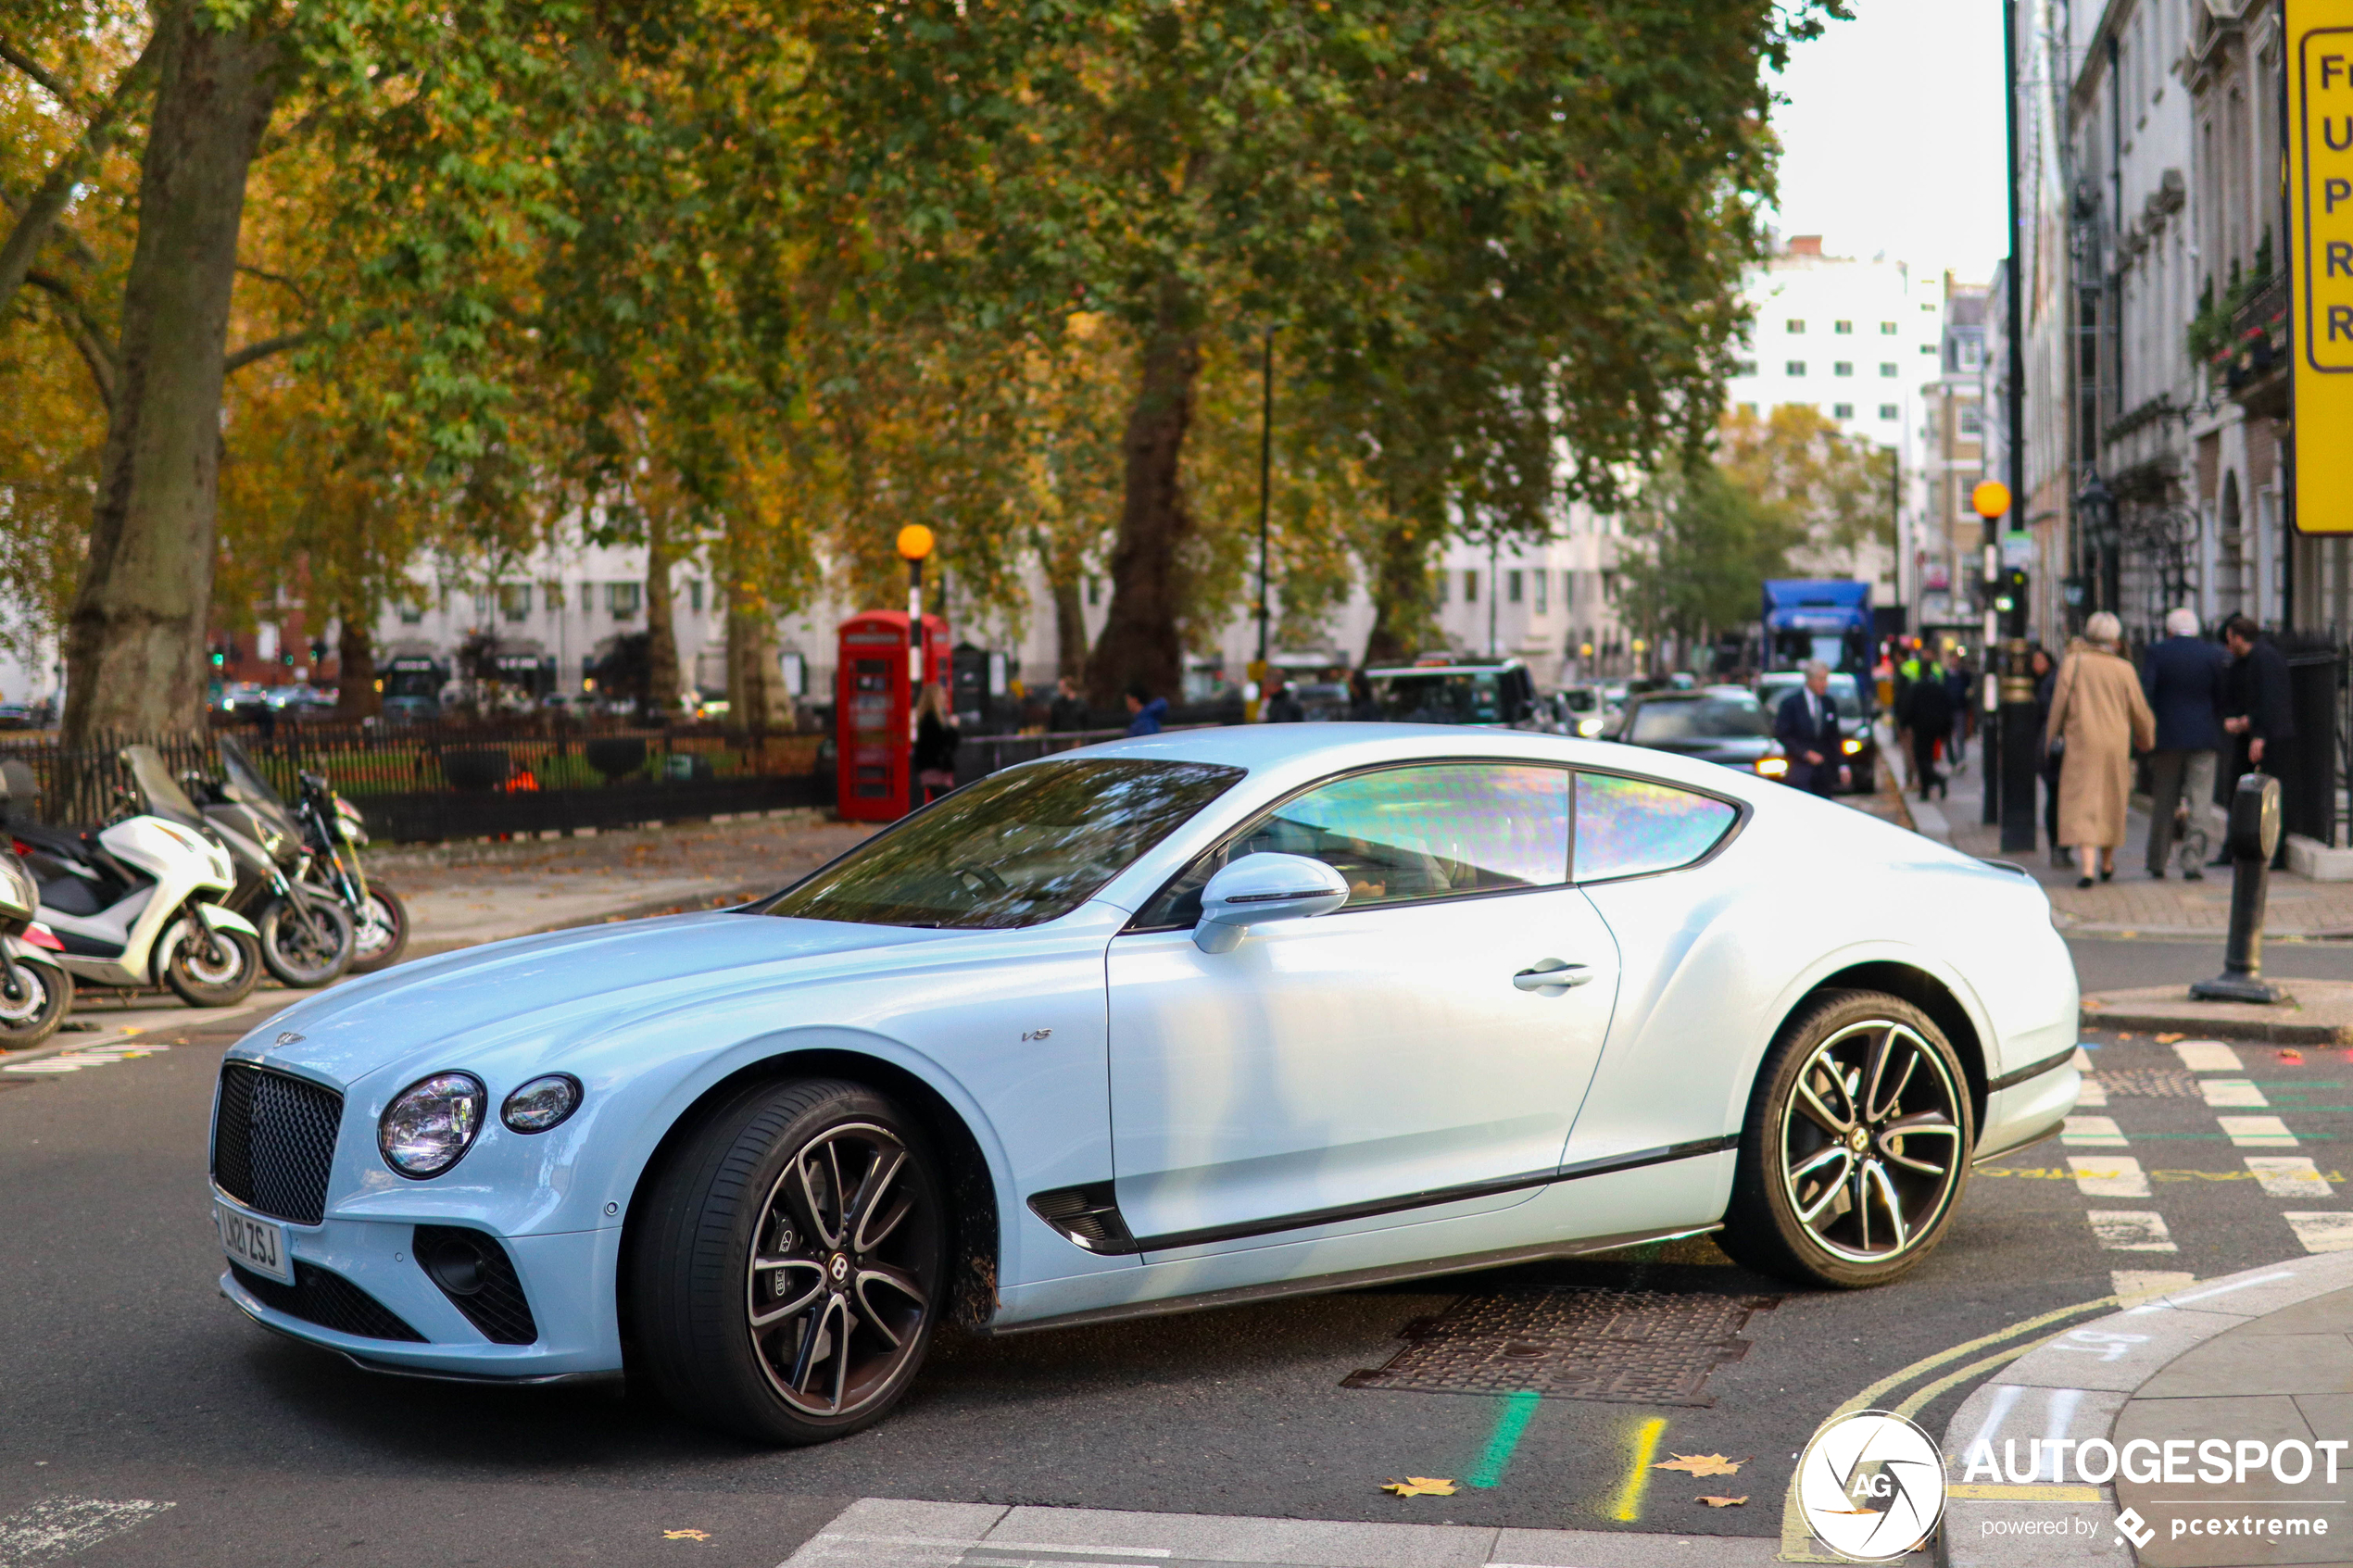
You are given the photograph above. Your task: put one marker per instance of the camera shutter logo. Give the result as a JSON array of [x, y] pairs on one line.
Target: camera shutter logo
[[1871, 1487]]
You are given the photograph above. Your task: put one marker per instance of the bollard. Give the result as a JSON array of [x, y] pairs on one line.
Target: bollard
[[2254, 833]]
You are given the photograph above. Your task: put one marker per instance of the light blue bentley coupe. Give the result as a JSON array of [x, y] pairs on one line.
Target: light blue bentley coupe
[[1169, 1022]]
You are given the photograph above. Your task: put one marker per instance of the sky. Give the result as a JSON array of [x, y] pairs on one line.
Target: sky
[[1891, 137]]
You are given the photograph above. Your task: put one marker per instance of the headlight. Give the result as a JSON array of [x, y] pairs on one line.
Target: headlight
[[541, 1103], [1851, 745], [428, 1125], [1772, 767], [1588, 728]]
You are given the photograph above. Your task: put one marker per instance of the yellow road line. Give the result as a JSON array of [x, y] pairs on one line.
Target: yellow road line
[[2025, 1494], [1630, 1496]]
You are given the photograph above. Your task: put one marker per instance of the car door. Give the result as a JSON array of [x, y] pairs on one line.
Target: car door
[[1367, 1066]]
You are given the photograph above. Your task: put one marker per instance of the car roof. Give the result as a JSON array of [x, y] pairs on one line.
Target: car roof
[[1479, 667]]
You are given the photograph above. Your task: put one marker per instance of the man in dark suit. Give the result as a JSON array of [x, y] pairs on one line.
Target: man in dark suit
[[2183, 676], [1806, 725], [2256, 700]]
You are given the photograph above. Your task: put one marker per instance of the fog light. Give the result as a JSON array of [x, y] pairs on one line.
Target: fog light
[[541, 1103], [1851, 746], [456, 1263]]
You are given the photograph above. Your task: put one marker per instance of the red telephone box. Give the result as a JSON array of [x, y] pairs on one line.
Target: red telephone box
[[871, 707]]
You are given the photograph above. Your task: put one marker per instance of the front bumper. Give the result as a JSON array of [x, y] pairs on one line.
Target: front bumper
[[568, 1277]]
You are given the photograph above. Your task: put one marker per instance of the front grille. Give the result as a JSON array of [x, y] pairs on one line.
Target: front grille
[[273, 1142], [330, 1301], [475, 1271]]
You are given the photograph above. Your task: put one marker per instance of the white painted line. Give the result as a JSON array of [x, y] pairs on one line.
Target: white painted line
[[88, 1056], [59, 1527], [2208, 1295], [2258, 1132], [2121, 1230], [2321, 1232], [2056, 1419], [2092, 1092], [2139, 1285], [2081, 1060], [2092, 1132], [2208, 1056], [2108, 1175], [1998, 1411], [2219, 1092], [2289, 1175]]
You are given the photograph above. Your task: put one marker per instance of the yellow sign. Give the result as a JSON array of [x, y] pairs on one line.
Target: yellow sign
[[2319, 151], [1990, 498]]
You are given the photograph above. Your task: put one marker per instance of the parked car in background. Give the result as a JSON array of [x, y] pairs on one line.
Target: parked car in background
[[1322, 701], [241, 696], [1861, 746], [410, 710], [1721, 725], [1502, 693], [16, 715], [1583, 711]]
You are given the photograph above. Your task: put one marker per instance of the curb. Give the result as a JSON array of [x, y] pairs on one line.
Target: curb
[[2074, 1385], [2263, 1032]]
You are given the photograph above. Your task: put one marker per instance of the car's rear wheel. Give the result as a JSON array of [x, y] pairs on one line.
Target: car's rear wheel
[[1856, 1149], [792, 1264]]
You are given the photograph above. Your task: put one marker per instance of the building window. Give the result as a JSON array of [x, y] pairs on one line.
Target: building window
[[552, 596], [694, 597], [1443, 578], [1887, 329], [1842, 410], [1842, 367], [1743, 367], [1543, 591], [514, 601], [1928, 348], [1887, 368], [621, 599], [1972, 420], [1972, 355], [410, 613], [1794, 368], [1843, 329], [1513, 587], [1796, 327], [1470, 587], [1094, 594], [1890, 411]]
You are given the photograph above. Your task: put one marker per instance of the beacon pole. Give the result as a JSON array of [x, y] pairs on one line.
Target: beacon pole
[[914, 544]]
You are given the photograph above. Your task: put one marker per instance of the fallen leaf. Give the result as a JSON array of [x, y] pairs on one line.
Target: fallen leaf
[[2168, 1039], [1723, 1502], [1420, 1486], [2291, 1057], [686, 1535], [1701, 1464], [2124, 1037]]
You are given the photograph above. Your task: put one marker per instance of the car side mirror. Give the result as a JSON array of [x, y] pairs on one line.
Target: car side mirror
[[1261, 887]]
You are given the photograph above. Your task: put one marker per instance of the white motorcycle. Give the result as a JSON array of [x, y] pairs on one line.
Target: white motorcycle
[[136, 904], [36, 991]]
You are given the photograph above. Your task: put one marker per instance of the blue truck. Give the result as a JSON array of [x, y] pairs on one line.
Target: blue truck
[[1818, 618]]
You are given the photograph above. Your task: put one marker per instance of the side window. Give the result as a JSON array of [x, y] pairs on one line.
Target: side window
[[1626, 827], [1406, 834]]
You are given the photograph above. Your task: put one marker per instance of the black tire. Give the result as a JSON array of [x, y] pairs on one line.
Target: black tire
[[383, 935], [220, 982], [45, 997], [781, 1173], [1804, 1194], [305, 954]]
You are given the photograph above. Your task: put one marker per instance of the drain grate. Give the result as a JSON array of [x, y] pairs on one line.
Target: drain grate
[[1629, 1347], [2150, 1083]]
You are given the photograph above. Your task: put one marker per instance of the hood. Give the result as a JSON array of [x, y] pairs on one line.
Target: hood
[[593, 978]]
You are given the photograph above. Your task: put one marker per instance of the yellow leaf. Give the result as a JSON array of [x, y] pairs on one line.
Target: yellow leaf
[[686, 1535], [2168, 1039], [1723, 1502], [1420, 1486], [1701, 1464]]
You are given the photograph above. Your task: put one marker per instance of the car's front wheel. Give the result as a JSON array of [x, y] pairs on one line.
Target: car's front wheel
[[791, 1265], [1857, 1147]]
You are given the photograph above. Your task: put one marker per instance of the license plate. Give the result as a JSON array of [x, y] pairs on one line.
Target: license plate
[[259, 1245]]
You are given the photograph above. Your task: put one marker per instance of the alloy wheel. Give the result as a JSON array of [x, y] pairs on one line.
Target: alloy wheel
[[839, 1281], [1871, 1141], [30, 1001]]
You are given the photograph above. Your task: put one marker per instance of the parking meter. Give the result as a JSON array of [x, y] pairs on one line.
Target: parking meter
[[2253, 836]]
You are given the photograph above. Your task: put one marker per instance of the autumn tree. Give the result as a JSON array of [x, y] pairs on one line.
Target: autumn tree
[[1841, 487], [1699, 547]]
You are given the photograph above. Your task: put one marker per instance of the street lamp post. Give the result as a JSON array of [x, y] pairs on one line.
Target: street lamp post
[[914, 545], [2013, 715]]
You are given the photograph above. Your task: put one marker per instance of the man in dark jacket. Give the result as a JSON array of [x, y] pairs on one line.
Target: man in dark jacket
[[1806, 725], [1145, 711], [2255, 705], [2183, 675], [1927, 717], [1069, 710]]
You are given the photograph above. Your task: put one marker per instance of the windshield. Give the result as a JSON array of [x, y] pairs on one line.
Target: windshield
[[1580, 700], [160, 793], [1018, 848], [245, 786], [1450, 697], [1707, 717]]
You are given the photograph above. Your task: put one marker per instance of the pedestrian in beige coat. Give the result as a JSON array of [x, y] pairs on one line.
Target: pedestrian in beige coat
[[2100, 718]]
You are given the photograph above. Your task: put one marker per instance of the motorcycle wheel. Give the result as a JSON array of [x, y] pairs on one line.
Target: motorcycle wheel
[[382, 931], [302, 953], [33, 1016], [221, 981]]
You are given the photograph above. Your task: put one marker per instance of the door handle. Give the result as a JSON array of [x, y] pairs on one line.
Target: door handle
[[1549, 977]]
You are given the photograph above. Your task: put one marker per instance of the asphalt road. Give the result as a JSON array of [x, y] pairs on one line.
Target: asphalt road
[[124, 1379]]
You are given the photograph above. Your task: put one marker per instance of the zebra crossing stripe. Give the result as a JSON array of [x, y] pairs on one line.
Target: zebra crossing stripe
[[2321, 1232], [2256, 1132], [56, 1528], [2092, 1094], [2133, 1230], [2223, 1093], [2284, 1175], [2092, 1132], [86, 1056], [2108, 1175], [2208, 1056]]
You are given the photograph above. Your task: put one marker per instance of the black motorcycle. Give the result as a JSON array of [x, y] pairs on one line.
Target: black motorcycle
[[333, 833], [308, 937]]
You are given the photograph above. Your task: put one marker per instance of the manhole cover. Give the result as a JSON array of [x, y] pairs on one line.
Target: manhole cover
[[2149, 1082], [1631, 1347]]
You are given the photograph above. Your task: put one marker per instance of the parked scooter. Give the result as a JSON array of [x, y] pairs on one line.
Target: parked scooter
[[333, 833], [136, 903], [36, 991], [306, 935]]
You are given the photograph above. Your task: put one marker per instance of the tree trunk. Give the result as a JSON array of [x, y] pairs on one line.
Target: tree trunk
[[754, 684], [1069, 630], [134, 642], [1399, 589], [356, 692], [662, 636], [1140, 643]]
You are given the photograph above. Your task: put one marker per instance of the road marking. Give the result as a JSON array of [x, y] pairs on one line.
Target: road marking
[[2092, 1132], [89, 1056], [2321, 1232], [2092, 1093], [1630, 1496], [2081, 1060], [2108, 1175], [2285, 1175], [2121, 1230], [1511, 1423], [2258, 1132], [58, 1528], [2208, 1056], [2139, 1285], [2024, 1494], [2221, 1091]]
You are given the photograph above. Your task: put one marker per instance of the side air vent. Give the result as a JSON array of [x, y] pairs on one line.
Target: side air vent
[[475, 1271], [1086, 1215]]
